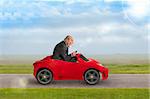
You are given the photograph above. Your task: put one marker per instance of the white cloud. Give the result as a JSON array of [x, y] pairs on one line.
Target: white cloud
[[13, 10], [111, 0], [29, 39], [135, 11], [106, 28], [31, 9], [148, 26], [89, 33], [148, 32], [137, 8], [69, 2], [116, 39], [90, 27]]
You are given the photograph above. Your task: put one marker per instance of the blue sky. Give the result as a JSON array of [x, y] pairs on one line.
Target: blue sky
[[98, 26]]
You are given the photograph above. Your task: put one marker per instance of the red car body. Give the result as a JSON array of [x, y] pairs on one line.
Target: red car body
[[64, 70]]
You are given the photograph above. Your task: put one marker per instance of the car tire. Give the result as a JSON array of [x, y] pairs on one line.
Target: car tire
[[44, 76], [91, 77]]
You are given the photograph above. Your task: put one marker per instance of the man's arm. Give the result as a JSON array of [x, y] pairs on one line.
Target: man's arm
[[64, 54]]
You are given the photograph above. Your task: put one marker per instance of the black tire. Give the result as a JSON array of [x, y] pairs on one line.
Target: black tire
[[91, 76], [44, 76]]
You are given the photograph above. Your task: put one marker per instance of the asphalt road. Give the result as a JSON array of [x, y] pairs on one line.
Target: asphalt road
[[114, 81]]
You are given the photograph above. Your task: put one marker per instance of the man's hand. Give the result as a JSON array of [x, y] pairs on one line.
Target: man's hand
[[74, 53]]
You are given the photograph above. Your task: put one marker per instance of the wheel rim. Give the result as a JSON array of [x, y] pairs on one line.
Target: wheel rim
[[44, 76], [92, 76]]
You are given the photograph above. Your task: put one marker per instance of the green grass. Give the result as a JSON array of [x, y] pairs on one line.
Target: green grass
[[67, 93], [16, 69], [129, 69], [113, 68]]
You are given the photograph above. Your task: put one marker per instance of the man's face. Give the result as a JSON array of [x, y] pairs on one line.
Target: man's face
[[69, 42]]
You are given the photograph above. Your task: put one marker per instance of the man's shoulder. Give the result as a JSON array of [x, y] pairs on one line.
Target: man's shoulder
[[61, 44]]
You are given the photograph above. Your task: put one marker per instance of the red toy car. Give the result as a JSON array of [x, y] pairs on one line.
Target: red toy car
[[89, 70]]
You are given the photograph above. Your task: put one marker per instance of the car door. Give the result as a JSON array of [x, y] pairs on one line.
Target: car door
[[57, 69], [71, 70]]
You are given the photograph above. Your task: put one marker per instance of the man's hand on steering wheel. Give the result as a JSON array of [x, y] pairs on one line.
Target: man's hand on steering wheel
[[73, 53]]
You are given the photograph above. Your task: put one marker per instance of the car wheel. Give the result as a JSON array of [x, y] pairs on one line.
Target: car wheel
[[44, 76], [91, 76]]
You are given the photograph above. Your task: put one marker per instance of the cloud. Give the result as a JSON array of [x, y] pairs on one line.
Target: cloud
[[36, 26], [43, 40], [26, 9], [135, 11], [138, 8], [47, 8], [43, 9]]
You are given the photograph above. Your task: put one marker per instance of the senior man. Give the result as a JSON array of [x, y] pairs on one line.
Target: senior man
[[61, 50]]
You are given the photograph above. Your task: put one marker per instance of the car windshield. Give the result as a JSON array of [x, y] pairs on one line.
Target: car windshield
[[83, 57]]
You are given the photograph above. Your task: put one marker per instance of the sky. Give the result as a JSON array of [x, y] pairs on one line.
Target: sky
[[29, 27]]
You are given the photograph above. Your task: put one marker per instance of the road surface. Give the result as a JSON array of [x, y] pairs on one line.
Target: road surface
[[114, 81]]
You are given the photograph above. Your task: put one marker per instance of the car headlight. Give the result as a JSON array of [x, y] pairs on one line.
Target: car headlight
[[100, 64]]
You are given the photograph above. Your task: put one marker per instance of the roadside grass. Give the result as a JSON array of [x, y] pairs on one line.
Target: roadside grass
[[74, 93], [16, 69], [113, 69], [129, 68]]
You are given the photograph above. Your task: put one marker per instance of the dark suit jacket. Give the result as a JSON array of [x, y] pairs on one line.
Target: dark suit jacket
[[61, 52]]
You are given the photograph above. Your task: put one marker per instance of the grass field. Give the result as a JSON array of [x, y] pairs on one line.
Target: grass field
[[113, 68], [129, 69], [67, 93]]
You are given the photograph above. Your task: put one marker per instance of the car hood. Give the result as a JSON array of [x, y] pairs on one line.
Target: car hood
[[93, 60]]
